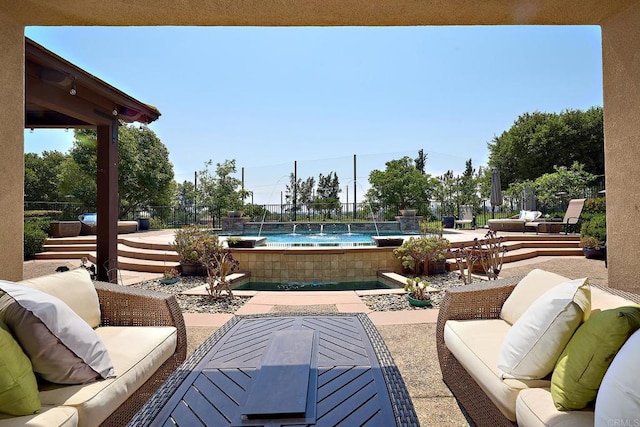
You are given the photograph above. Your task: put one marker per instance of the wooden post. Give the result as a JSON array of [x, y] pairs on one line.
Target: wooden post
[[107, 206]]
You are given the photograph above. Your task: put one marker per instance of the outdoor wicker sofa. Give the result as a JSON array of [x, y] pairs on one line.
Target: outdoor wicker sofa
[[514, 223], [487, 398], [144, 334]]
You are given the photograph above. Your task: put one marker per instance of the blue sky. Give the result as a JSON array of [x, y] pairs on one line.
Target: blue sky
[[270, 96]]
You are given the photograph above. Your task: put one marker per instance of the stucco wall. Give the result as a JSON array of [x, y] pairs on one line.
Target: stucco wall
[[11, 143], [621, 42], [621, 69]]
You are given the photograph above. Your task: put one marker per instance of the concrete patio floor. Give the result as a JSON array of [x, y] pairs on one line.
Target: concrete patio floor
[[409, 335]]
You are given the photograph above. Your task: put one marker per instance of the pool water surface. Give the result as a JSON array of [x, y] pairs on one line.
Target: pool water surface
[[312, 286]]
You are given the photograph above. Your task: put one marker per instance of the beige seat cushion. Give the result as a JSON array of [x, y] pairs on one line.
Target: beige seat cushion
[[136, 351], [534, 407], [529, 289], [601, 300], [48, 416], [74, 288], [476, 344]]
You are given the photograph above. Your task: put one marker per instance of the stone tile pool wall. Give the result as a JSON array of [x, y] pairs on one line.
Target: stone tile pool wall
[[314, 264]]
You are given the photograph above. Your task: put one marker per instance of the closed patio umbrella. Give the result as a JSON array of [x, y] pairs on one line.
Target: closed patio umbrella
[[496, 191]]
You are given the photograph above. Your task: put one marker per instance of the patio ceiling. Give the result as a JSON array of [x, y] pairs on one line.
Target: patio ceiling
[[59, 94]]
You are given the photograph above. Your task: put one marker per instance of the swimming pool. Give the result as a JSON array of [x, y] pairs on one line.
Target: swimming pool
[[347, 239], [312, 286]]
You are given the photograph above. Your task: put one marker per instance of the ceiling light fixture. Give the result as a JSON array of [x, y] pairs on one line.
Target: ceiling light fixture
[[115, 111], [73, 90]]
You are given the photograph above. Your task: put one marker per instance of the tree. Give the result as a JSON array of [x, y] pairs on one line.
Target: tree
[[573, 181], [399, 184], [41, 180], [145, 174], [220, 190], [305, 192], [327, 199], [421, 161], [445, 192], [539, 141], [468, 182], [185, 195]]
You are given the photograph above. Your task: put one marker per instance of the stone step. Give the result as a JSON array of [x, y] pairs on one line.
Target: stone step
[[138, 254]]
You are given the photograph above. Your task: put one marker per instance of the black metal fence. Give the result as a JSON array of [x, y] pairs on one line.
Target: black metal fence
[[177, 216]]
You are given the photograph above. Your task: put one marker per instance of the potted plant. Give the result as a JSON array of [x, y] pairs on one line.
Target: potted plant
[[169, 277], [593, 236], [189, 244], [437, 248], [419, 292], [424, 254], [413, 254]]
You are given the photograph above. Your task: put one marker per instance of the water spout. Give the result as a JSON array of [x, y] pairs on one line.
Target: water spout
[[294, 229], [349, 229], [322, 229]]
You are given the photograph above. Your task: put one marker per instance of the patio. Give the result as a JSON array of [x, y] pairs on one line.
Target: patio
[[418, 363]]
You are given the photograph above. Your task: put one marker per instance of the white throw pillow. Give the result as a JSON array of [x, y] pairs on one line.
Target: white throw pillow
[[529, 289], [618, 398], [534, 342], [74, 288]]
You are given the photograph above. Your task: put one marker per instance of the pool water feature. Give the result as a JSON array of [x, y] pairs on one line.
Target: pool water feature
[[312, 286]]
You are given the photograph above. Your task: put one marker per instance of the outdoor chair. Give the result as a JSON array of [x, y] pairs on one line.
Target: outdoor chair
[[466, 217], [570, 220]]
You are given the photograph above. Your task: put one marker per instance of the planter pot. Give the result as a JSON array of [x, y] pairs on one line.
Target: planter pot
[[235, 214], [437, 267], [65, 228], [418, 302], [408, 212], [169, 281], [592, 253], [143, 224], [448, 221], [192, 270], [249, 243], [388, 241]]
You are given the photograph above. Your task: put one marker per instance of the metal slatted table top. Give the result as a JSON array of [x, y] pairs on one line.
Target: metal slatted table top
[[285, 370]]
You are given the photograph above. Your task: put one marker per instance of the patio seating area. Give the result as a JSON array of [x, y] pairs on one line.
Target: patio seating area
[[417, 363]]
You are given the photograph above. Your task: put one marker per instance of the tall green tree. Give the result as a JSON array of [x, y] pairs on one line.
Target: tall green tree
[[327, 198], [539, 141], [421, 161], [468, 187], [145, 174], [41, 176], [219, 189], [400, 184]]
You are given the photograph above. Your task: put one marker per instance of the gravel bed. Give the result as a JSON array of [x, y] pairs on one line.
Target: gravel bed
[[194, 304], [399, 302], [204, 304]]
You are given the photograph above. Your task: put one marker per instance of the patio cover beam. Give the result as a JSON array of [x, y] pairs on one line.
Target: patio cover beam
[[61, 95]]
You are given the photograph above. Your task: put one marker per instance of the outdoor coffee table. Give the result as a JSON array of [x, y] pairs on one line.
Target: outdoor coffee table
[[285, 370]]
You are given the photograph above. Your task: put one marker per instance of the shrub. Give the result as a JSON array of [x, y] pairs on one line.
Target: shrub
[[156, 223], [44, 214], [593, 232], [595, 206], [34, 238]]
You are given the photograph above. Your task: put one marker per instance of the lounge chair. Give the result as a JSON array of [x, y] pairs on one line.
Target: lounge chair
[[569, 222], [466, 217]]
